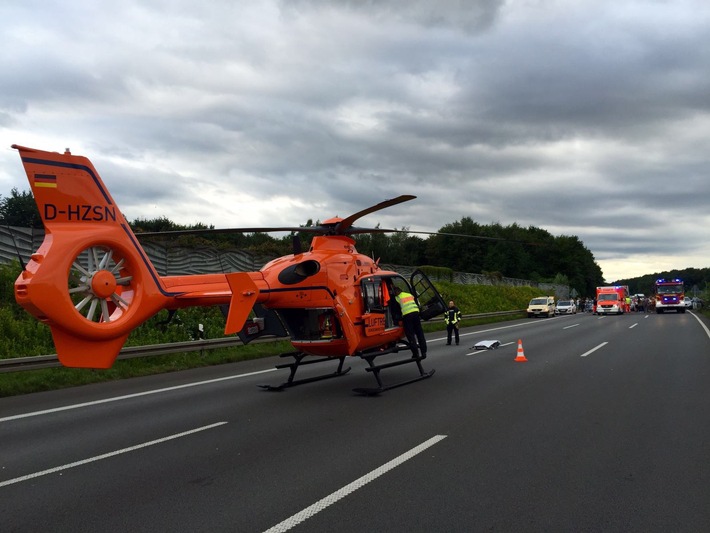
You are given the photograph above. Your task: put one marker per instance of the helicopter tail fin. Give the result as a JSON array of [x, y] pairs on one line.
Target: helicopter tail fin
[[68, 190], [89, 281], [245, 294]]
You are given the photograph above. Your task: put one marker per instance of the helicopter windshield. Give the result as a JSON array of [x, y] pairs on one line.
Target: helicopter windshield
[[669, 289], [608, 297]]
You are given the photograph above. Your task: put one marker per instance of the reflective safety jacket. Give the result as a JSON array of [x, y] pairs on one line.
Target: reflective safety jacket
[[452, 315], [407, 303]]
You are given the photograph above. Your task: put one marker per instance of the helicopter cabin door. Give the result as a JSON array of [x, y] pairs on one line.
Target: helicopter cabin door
[[376, 317], [431, 303]]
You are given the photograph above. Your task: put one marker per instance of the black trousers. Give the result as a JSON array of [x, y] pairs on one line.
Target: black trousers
[[452, 328], [414, 332]]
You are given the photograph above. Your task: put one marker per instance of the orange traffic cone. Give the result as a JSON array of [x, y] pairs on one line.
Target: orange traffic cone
[[521, 354]]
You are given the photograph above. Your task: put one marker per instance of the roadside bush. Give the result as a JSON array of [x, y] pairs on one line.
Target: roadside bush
[[486, 298]]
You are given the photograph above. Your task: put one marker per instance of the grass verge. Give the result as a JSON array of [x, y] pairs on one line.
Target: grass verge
[[26, 382], [16, 383]]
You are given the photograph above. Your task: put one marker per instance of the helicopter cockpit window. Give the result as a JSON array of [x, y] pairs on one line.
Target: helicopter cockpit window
[[399, 283], [394, 283], [372, 296], [378, 298]]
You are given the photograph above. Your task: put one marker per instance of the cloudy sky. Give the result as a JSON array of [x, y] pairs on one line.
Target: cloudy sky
[[582, 117]]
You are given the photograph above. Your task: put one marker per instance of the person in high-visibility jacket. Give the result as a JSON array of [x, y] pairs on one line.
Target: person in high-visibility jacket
[[452, 319], [411, 321]]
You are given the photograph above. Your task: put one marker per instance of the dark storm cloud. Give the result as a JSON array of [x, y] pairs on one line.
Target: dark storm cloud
[[469, 16], [583, 118]]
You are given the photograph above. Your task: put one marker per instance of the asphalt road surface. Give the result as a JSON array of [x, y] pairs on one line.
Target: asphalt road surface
[[604, 428]]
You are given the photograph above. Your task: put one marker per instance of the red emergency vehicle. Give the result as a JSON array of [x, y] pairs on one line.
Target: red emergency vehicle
[[612, 300], [670, 294]]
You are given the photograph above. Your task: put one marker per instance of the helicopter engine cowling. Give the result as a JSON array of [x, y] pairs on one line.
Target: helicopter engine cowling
[[297, 273]]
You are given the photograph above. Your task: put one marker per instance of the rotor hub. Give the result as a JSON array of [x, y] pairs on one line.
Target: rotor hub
[[103, 284]]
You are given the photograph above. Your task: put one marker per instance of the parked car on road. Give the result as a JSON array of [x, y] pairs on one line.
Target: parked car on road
[[541, 306], [565, 307]]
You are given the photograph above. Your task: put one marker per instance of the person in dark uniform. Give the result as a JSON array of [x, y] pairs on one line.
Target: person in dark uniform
[[452, 319], [411, 322]]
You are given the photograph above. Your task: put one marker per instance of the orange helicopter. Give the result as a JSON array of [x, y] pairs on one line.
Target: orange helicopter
[[92, 283]]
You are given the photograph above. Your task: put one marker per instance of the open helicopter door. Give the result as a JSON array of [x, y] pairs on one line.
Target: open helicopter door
[[264, 322], [431, 303]]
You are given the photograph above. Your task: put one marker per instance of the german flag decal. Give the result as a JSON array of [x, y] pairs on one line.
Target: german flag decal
[[45, 180]]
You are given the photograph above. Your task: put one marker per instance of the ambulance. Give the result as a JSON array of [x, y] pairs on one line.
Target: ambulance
[[612, 300]]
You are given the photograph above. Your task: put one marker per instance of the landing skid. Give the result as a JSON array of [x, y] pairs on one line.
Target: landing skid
[[375, 369], [298, 361]]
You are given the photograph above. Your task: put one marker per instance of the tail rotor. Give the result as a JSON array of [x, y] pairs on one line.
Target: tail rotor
[[100, 285]]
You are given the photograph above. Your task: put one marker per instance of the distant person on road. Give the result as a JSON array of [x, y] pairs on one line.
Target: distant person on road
[[452, 319]]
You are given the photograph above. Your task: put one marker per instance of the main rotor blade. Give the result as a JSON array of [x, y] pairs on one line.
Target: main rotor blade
[[483, 237], [358, 231], [344, 225], [326, 230], [217, 231]]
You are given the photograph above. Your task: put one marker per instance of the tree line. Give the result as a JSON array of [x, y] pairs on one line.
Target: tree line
[[695, 280], [465, 246]]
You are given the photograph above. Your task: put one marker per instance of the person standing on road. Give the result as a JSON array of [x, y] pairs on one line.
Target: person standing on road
[[452, 319], [411, 322]]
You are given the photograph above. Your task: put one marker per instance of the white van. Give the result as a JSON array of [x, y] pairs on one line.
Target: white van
[[541, 306]]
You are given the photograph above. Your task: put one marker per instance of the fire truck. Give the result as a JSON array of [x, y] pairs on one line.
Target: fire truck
[[670, 294], [612, 300]]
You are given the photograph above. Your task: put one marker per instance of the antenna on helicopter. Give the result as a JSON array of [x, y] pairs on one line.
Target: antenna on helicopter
[[296, 241]]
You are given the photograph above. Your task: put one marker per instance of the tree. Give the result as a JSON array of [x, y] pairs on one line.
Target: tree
[[464, 246], [19, 209]]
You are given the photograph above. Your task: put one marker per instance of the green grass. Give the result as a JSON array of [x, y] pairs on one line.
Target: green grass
[[473, 299], [15, 383], [25, 382]]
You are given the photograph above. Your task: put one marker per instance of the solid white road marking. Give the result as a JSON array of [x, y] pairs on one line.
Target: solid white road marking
[[594, 349], [128, 396], [495, 329], [707, 331], [106, 455], [352, 487]]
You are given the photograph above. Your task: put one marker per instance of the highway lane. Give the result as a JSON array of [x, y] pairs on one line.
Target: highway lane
[[603, 429]]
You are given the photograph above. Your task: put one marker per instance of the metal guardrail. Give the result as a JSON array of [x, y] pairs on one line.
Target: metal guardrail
[[36, 362]]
